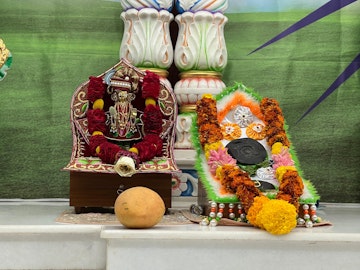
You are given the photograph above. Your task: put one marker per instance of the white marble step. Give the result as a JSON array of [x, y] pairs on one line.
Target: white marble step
[[197, 247], [30, 239]]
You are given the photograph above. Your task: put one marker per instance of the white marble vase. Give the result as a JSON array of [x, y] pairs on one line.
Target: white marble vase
[[200, 43], [146, 40]]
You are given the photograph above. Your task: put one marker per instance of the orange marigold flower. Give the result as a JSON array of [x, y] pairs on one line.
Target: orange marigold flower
[[284, 196], [226, 178], [209, 133], [275, 119], [292, 184], [206, 110], [231, 131], [256, 131], [255, 209], [281, 137], [246, 197], [273, 130], [266, 102]]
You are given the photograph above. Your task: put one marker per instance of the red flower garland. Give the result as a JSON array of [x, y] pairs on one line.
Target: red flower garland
[[94, 142], [151, 117], [108, 152], [151, 86], [96, 120], [150, 147], [96, 88], [145, 150]]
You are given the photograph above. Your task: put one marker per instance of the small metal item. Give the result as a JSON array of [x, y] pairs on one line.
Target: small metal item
[[120, 189], [196, 209]]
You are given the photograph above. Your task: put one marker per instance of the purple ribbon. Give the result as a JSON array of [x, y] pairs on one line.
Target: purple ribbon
[[346, 74], [321, 12]]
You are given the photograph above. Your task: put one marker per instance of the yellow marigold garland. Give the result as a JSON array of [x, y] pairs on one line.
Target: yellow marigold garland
[[282, 170], [277, 217], [276, 148], [254, 210]]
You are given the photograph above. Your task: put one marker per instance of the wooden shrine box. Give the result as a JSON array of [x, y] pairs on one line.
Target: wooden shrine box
[[96, 184], [101, 190]]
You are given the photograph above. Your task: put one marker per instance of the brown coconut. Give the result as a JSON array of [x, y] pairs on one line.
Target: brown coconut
[[139, 208]]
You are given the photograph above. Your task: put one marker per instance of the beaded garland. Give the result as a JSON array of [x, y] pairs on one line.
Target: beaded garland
[[126, 161], [278, 216]]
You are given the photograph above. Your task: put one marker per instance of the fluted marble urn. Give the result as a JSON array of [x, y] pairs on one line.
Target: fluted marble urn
[[200, 43], [146, 40]]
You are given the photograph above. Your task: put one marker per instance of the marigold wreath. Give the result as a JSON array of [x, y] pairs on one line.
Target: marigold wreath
[[277, 216]]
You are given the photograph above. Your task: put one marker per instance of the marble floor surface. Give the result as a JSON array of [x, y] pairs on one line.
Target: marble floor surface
[[28, 228], [31, 212], [345, 218]]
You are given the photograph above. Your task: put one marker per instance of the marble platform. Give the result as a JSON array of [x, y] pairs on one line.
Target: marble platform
[[31, 239]]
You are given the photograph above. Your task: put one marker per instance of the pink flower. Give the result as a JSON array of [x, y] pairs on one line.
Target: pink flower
[[282, 159], [218, 158]]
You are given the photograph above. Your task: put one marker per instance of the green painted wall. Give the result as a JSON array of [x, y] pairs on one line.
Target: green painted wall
[[57, 45]]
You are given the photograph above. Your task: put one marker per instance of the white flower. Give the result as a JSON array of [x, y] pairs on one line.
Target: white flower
[[265, 173], [243, 116], [125, 166]]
